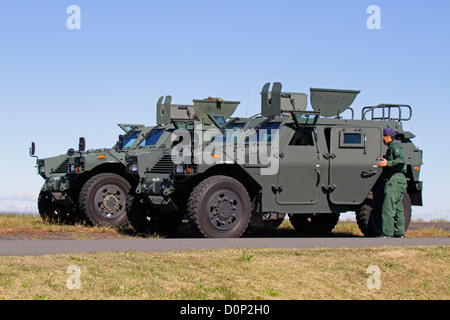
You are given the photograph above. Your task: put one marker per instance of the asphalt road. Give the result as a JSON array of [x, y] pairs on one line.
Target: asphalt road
[[41, 247]]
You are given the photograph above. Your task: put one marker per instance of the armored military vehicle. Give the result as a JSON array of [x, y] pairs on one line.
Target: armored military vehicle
[[93, 184], [311, 165]]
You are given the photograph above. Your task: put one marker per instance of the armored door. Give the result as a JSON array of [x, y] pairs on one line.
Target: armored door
[[354, 153], [299, 169]]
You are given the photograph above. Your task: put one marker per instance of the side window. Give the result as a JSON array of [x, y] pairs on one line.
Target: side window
[[354, 138], [302, 138]]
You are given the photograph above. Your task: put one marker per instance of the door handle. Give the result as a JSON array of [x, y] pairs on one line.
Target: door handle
[[370, 172], [317, 169]]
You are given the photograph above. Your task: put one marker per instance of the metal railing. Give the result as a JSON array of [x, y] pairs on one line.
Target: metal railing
[[387, 112]]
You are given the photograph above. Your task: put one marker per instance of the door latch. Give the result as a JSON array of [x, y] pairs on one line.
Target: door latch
[[329, 186], [329, 156]]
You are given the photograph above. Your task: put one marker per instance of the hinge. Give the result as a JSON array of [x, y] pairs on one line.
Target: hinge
[[329, 155], [329, 186]]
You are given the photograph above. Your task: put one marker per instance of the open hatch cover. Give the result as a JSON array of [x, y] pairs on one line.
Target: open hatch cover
[[332, 102]]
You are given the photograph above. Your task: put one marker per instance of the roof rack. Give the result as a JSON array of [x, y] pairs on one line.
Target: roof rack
[[385, 111]]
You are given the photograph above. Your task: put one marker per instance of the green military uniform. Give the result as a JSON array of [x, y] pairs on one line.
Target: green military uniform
[[393, 221]]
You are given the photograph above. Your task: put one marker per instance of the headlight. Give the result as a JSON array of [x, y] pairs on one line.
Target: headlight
[[72, 167], [133, 167], [179, 168], [132, 164], [183, 169], [41, 167]]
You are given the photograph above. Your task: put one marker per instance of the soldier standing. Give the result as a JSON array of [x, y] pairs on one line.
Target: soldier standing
[[392, 216]]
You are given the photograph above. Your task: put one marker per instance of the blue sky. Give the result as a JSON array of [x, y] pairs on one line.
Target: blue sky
[[58, 84]]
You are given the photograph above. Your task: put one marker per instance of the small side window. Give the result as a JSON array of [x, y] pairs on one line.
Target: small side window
[[351, 140], [302, 138]]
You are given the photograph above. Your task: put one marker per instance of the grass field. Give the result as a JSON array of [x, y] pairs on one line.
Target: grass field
[[262, 274], [404, 273]]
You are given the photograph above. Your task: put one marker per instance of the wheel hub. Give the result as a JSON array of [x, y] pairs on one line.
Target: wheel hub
[[224, 210], [109, 201]]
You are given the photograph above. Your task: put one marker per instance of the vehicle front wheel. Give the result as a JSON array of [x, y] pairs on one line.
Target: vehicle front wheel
[[103, 199], [219, 207]]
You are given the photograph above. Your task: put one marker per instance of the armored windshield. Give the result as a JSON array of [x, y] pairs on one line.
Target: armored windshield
[[152, 138], [265, 132], [231, 130], [183, 124], [130, 138]]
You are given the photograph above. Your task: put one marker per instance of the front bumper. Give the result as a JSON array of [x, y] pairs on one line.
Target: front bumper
[[156, 191]]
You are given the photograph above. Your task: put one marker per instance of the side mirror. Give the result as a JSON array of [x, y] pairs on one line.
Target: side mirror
[[32, 149], [82, 144], [120, 143]]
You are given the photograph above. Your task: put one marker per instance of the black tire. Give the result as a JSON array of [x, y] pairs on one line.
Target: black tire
[[219, 207], [103, 199], [53, 213], [368, 215], [314, 224], [150, 222]]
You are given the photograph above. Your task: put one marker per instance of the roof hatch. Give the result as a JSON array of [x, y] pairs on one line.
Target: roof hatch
[[332, 102]]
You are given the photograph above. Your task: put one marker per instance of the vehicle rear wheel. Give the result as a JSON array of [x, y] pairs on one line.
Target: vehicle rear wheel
[[314, 224], [103, 199], [368, 215], [219, 207]]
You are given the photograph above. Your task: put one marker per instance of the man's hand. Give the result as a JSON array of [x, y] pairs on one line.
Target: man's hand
[[382, 163]]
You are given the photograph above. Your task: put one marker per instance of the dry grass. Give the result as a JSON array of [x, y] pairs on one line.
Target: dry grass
[[406, 273], [31, 225], [34, 227]]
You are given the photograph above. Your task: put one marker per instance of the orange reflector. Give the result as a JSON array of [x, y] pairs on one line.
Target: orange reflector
[[79, 169], [101, 156], [188, 170], [217, 156], [416, 168]]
